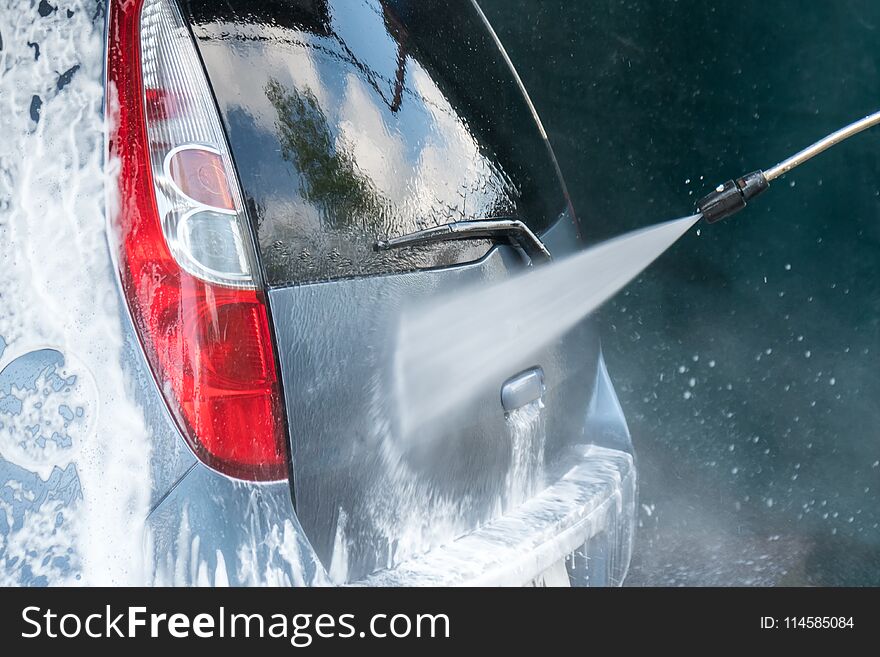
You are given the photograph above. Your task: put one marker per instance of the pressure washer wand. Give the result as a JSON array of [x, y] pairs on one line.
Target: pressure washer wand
[[732, 196]]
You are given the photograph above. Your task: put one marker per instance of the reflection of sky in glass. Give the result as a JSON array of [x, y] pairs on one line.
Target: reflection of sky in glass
[[420, 164], [358, 27]]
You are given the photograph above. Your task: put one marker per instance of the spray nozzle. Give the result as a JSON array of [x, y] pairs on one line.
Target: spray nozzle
[[732, 196]]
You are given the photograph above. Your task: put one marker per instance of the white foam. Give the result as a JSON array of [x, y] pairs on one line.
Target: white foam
[[58, 286]]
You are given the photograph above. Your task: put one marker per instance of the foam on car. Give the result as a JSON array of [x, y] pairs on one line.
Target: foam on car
[[74, 495]]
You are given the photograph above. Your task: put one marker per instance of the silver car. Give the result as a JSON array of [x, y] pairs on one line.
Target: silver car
[[212, 215]]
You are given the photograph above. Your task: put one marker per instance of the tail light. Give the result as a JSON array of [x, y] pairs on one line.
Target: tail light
[[185, 252]]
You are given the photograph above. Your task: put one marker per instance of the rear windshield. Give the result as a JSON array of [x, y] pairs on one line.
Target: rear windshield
[[355, 120]]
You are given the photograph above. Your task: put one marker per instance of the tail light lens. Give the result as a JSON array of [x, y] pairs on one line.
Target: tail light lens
[[184, 248]]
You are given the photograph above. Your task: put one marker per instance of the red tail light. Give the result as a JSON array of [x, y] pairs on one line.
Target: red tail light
[[184, 249]]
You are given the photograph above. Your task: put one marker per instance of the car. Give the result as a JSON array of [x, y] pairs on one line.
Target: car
[[218, 213]]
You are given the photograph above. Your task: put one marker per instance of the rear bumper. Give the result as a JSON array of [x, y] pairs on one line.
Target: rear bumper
[[212, 530], [209, 529], [587, 518]]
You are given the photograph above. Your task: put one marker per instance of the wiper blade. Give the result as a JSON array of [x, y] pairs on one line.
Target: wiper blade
[[509, 230]]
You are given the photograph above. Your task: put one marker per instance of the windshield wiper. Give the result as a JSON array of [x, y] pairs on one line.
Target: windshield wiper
[[509, 230]]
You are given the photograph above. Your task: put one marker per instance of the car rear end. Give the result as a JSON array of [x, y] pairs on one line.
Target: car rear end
[[261, 150]]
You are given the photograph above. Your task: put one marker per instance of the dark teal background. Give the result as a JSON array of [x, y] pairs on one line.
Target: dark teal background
[[767, 469]]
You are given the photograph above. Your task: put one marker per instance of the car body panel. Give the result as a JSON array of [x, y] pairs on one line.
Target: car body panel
[[583, 519], [353, 120], [97, 485], [367, 495], [210, 530]]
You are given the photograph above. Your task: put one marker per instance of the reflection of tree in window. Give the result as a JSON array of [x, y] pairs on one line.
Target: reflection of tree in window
[[330, 179]]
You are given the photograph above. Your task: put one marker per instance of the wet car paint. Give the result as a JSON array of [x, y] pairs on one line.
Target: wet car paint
[[186, 524], [90, 459], [369, 496], [351, 120], [40, 414]]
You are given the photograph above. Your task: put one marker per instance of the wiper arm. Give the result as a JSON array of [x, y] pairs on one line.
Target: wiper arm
[[509, 230]]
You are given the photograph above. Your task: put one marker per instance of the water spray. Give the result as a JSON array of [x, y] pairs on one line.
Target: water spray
[[450, 350], [732, 196]]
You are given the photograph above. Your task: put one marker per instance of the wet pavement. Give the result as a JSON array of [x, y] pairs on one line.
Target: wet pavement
[[746, 357]]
